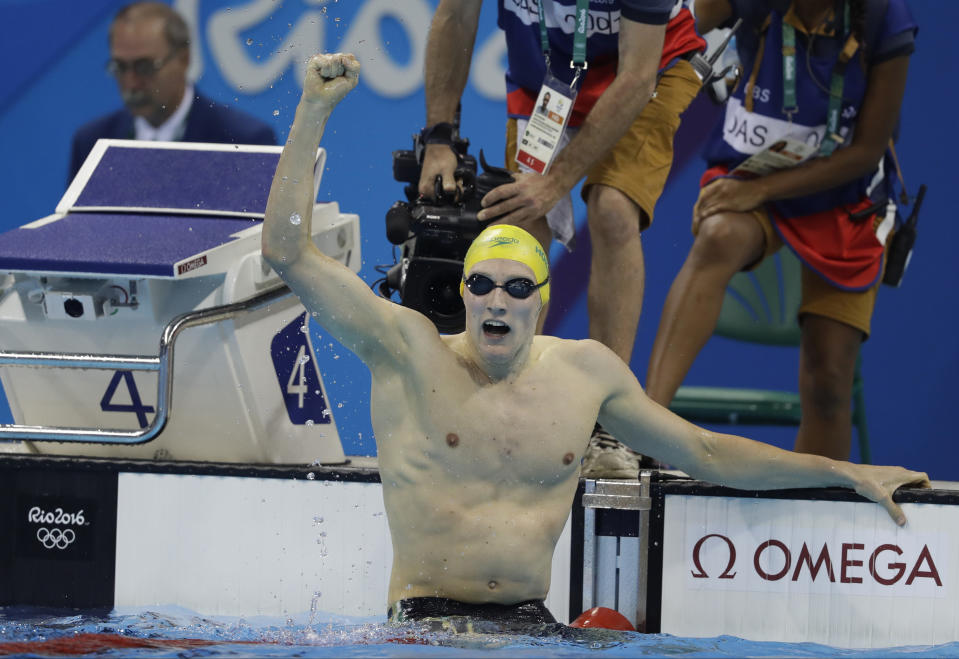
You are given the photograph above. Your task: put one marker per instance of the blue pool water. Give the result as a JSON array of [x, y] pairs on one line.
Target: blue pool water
[[324, 635]]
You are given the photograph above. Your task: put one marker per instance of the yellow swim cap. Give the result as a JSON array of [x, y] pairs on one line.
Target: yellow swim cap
[[505, 241]]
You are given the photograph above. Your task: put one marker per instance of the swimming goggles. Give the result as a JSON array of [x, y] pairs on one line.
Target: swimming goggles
[[520, 288]]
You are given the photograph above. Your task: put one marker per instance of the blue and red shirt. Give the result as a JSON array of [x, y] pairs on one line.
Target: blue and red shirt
[[747, 130], [526, 66]]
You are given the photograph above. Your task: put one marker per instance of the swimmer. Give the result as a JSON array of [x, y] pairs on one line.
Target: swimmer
[[480, 434]]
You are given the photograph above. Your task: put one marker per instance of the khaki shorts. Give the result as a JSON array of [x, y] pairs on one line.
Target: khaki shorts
[[819, 297], [639, 163]]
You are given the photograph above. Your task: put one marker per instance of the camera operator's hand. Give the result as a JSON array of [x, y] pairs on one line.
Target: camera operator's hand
[[528, 199], [330, 77], [438, 160]]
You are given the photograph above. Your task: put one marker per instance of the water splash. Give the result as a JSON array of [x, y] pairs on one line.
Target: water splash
[[316, 633]]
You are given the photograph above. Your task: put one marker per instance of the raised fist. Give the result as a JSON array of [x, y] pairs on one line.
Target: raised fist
[[330, 77]]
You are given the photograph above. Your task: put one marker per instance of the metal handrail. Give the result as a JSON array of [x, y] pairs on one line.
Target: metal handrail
[[162, 364]]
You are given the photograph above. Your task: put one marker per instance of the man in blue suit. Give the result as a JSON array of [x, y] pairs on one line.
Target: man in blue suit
[[149, 57]]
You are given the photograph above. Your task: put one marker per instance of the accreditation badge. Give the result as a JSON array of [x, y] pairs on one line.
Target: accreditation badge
[[540, 141]]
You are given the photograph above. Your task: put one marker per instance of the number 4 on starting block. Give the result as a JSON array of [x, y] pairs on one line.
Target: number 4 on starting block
[[297, 375]]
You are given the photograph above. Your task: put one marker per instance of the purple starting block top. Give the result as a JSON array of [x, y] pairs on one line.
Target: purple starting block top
[[146, 209], [142, 178], [130, 244]]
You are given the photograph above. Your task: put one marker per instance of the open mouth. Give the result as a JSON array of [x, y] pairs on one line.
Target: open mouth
[[495, 327]]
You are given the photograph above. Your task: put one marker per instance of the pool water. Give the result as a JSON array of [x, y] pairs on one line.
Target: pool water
[[176, 632]]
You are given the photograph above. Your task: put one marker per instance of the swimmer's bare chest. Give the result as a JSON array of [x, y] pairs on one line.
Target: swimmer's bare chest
[[456, 426]]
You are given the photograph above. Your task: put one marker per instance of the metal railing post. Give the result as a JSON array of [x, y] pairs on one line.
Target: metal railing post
[[162, 364]]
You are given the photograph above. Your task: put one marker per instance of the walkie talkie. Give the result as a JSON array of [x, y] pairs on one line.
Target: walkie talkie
[[713, 81], [900, 252]]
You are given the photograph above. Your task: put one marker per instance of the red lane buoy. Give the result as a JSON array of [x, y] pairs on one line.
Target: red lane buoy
[[600, 616]]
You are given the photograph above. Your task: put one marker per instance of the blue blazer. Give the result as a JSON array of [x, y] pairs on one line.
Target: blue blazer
[[206, 122]]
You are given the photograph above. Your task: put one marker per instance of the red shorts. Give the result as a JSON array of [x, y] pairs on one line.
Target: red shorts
[[845, 252]]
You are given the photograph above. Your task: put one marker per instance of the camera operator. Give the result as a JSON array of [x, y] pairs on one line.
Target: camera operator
[[620, 131]]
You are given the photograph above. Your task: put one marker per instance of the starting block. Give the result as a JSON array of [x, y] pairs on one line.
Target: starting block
[[149, 237]]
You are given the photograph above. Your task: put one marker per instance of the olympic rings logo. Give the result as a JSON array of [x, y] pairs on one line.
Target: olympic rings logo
[[55, 538]]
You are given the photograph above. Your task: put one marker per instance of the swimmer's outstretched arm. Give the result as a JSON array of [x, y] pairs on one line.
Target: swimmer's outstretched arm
[[727, 459], [339, 300]]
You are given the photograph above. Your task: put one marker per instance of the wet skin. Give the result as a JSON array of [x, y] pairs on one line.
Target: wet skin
[[479, 471]]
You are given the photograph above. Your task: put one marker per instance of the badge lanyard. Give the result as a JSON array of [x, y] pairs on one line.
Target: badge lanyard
[[542, 138], [790, 103], [579, 38]]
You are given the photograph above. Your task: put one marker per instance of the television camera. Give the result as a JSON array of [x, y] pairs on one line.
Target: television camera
[[436, 233]]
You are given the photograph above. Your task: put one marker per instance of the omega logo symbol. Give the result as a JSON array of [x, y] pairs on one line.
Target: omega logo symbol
[[700, 573], [55, 538], [886, 564]]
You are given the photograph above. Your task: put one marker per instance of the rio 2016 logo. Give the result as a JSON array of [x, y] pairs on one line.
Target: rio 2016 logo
[[37, 515], [252, 66], [55, 538], [55, 532]]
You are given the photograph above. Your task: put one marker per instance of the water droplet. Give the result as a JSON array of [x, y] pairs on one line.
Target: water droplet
[[276, 113], [317, 520], [309, 422], [311, 476], [295, 219], [249, 42], [304, 358]]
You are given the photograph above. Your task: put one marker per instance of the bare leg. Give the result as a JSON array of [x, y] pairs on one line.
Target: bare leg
[[827, 366], [616, 273], [725, 244]]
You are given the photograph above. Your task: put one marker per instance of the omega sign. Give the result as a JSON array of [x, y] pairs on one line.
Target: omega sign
[[720, 561]]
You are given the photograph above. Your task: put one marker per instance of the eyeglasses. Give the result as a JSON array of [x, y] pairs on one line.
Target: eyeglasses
[[143, 67], [520, 288]]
